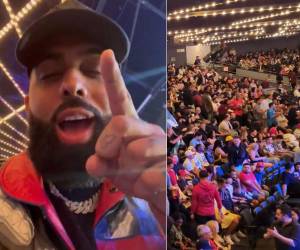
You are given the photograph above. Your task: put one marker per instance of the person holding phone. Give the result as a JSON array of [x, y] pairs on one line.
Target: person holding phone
[[93, 176]]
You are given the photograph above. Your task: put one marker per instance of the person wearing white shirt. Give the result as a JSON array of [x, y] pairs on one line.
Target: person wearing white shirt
[[225, 126]]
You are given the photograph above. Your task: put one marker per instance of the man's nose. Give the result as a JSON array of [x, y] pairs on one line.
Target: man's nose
[[73, 84]]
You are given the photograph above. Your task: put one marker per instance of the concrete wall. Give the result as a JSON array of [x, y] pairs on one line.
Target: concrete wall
[[176, 54], [266, 44], [182, 55], [259, 75], [196, 50]]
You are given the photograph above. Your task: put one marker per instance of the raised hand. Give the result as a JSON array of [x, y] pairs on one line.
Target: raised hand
[[129, 151]]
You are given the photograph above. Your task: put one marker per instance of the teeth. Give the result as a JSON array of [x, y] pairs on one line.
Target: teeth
[[75, 117]]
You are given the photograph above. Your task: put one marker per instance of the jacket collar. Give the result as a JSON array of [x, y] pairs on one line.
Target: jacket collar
[[20, 181]]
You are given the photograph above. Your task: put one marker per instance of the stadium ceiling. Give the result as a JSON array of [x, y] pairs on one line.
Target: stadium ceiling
[[144, 78], [229, 21]]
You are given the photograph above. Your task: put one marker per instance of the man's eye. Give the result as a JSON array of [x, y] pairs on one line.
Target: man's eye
[[51, 76], [91, 73]]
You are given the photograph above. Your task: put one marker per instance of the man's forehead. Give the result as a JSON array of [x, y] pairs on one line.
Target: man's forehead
[[62, 45], [73, 46]]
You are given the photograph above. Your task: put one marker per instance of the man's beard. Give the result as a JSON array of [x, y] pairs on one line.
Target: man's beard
[[58, 162]]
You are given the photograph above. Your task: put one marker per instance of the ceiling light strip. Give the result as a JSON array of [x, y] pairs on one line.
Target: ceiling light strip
[[13, 110], [218, 33], [12, 114], [15, 130], [12, 146], [232, 27], [202, 7], [3, 156], [7, 151], [9, 76], [259, 18], [254, 38], [12, 17], [236, 11], [18, 17], [12, 138]]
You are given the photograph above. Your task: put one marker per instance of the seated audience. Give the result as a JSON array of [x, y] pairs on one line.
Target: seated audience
[[225, 131]]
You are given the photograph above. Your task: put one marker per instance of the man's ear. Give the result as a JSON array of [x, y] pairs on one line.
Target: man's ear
[[26, 103]]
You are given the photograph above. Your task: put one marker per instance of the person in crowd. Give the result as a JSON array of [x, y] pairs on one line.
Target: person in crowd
[[218, 240], [225, 127], [292, 115], [297, 170], [202, 130], [196, 140], [253, 136], [285, 232], [230, 223], [203, 197], [205, 236], [176, 237], [173, 140], [271, 152], [237, 153], [197, 61], [225, 194], [290, 184], [254, 156], [249, 181], [295, 211], [271, 115], [260, 174], [192, 162], [172, 188], [234, 188], [279, 149], [281, 120], [220, 155], [200, 155]]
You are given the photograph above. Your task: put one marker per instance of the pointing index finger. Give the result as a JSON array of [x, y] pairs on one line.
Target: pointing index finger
[[119, 98]]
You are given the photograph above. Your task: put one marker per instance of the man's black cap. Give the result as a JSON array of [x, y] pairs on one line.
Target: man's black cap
[[72, 18]]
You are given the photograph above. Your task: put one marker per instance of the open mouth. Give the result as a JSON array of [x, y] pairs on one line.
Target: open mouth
[[75, 126]]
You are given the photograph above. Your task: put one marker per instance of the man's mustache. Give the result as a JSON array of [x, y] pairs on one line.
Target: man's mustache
[[74, 102]]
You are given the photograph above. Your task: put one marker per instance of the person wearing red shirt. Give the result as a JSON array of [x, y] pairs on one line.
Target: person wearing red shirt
[[236, 104], [248, 179], [203, 197]]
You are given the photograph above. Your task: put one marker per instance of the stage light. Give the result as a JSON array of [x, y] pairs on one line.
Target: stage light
[[11, 146], [9, 76], [13, 110], [8, 151], [13, 139], [20, 15], [15, 130]]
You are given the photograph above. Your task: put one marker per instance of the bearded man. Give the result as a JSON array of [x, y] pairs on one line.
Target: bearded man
[[91, 163]]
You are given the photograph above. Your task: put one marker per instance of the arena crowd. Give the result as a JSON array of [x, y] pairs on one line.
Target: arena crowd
[[283, 62], [233, 160]]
